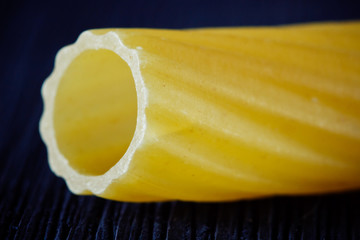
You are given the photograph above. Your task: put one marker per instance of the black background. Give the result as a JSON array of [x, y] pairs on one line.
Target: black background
[[34, 204]]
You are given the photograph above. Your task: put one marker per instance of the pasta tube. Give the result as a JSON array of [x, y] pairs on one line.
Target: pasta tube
[[206, 114]]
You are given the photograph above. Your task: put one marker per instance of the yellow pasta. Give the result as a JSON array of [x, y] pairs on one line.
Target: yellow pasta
[[206, 114]]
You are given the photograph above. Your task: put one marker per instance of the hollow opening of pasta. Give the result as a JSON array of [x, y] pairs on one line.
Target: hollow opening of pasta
[[95, 111]]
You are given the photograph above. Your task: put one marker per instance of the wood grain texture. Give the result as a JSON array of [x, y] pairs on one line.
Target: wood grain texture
[[34, 204]]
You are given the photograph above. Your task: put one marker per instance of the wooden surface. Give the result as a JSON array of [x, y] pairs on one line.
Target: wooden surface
[[35, 204]]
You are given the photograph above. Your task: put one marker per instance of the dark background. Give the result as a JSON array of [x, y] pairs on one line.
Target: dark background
[[34, 204]]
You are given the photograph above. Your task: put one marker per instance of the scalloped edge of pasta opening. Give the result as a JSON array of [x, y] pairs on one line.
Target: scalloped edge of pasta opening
[[80, 183]]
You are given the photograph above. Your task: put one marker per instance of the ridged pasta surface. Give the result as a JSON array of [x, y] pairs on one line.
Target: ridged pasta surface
[[207, 114]]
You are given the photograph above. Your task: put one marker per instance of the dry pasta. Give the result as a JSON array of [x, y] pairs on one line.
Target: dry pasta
[[206, 114]]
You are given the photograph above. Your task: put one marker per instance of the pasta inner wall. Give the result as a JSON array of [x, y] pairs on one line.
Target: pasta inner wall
[[95, 111]]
